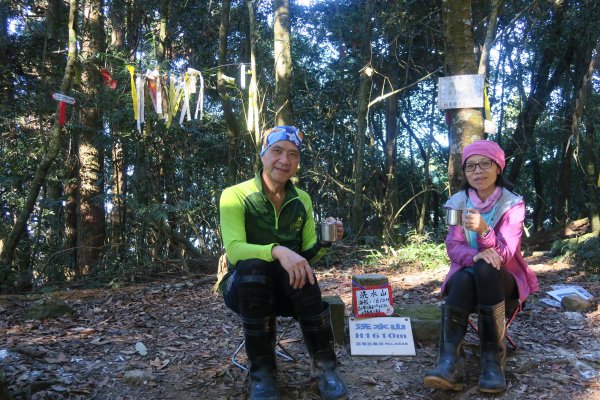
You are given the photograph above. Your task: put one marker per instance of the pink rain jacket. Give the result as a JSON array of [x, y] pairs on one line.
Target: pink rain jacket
[[505, 238]]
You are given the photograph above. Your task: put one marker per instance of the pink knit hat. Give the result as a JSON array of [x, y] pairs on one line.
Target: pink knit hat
[[485, 148]]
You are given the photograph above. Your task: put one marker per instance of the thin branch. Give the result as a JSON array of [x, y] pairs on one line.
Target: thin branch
[[385, 96]]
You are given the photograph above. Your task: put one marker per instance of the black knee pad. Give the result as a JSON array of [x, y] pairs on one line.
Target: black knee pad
[[307, 300], [255, 288]]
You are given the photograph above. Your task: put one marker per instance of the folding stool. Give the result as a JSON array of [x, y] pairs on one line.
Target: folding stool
[[518, 308], [279, 349]]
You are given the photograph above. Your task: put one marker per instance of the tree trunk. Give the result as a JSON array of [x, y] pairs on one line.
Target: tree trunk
[[8, 250], [467, 123], [391, 201], [582, 75], [54, 19], [119, 157], [71, 194], [542, 84], [364, 90], [540, 202], [489, 36], [233, 131], [592, 174], [253, 123], [284, 114], [427, 161], [91, 217], [163, 35]]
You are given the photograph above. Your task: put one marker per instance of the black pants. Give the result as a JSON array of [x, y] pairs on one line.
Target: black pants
[[258, 289], [482, 284]]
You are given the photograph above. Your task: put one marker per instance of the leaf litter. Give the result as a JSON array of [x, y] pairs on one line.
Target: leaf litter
[[174, 340]]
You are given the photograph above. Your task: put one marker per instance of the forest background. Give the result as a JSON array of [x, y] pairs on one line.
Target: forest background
[[99, 199]]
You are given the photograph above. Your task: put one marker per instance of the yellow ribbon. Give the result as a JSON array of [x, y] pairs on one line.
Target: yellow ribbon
[[486, 102], [174, 98], [134, 97]]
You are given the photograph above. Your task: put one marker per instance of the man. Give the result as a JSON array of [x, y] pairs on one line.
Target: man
[[269, 237]]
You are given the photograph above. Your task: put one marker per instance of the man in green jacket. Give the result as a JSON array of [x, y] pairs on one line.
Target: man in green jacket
[[269, 236]]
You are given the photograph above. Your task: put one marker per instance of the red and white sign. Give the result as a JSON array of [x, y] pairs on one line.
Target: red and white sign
[[372, 301]]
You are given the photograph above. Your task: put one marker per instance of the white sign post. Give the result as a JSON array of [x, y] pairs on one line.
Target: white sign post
[[63, 98], [460, 91], [381, 336]]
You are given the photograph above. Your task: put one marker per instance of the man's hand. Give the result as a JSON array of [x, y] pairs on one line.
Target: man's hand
[[490, 256], [339, 228], [474, 221], [296, 266]]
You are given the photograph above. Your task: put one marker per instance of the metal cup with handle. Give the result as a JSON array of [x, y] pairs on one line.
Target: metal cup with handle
[[328, 231], [453, 217]]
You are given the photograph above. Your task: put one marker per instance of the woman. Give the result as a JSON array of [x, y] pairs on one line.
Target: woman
[[487, 269]]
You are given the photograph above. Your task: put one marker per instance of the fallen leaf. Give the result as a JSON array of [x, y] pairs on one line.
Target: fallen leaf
[[159, 364], [141, 349], [100, 341]]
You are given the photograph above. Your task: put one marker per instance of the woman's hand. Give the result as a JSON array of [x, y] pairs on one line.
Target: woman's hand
[[296, 266], [490, 256], [474, 221]]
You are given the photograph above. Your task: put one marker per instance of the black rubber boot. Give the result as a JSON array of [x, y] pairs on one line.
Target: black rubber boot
[[493, 348], [448, 375], [318, 337], [260, 348]]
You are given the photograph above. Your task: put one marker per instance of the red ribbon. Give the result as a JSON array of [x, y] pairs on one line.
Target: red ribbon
[[62, 113], [107, 79]]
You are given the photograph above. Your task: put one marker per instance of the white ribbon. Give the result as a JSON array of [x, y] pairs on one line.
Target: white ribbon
[[200, 103], [139, 87], [185, 109], [243, 76]]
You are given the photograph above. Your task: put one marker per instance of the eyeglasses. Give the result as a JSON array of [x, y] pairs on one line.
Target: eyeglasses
[[483, 164]]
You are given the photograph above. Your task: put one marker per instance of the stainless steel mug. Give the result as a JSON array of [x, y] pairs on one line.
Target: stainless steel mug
[[453, 217], [328, 231]]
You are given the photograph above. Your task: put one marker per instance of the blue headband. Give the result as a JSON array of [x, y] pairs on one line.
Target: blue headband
[[279, 133]]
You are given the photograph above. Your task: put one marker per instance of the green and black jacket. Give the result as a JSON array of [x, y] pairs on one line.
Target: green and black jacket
[[251, 226]]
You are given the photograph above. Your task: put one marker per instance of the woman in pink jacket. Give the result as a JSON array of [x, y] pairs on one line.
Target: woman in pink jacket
[[487, 271]]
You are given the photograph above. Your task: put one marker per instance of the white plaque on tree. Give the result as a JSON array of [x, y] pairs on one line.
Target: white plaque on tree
[[460, 91]]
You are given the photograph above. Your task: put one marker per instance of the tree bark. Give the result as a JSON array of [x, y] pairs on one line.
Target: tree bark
[[54, 18], [426, 163], [91, 217], [584, 69], [8, 250], [253, 123], [538, 185], [284, 114], [489, 37], [364, 90], [163, 33], [233, 130], [467, 123], [119, 156], [391, 201], [591, 168]]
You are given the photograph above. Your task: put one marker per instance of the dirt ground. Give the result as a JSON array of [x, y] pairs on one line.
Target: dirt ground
[[188, 336]]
